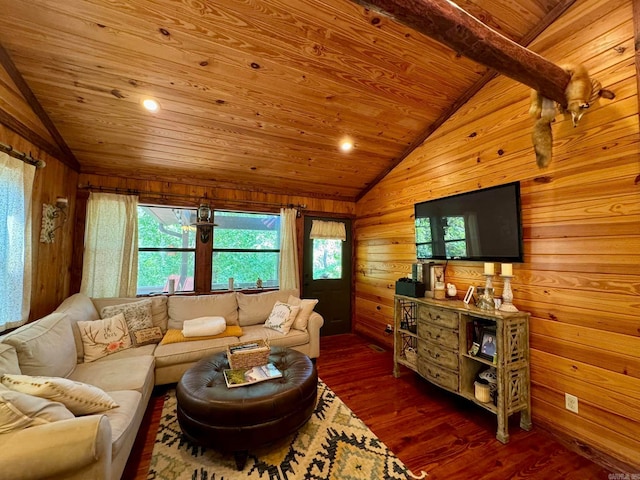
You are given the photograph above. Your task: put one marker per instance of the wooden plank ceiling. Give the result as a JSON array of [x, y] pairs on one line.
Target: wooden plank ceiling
[[254, 94]]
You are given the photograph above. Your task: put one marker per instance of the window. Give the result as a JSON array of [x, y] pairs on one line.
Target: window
[[16, 182], [327, 259], [166, 249], [246, 247]]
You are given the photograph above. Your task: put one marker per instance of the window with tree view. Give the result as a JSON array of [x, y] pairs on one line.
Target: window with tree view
[[166, 249], [246, 247], [327, 259]]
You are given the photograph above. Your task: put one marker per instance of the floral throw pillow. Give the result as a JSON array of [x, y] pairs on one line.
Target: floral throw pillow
[[104, 337], [282, 317], [137, 314]]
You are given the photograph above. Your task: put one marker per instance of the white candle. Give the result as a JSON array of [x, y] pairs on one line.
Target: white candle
[[507, 269], [488, 268]]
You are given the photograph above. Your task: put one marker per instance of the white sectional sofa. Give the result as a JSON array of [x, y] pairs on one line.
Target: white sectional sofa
[[97, 446]]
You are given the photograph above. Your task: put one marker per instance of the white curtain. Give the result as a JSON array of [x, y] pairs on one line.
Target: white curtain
[[328, 230], [110, 265], [289, 272], [16, 186]]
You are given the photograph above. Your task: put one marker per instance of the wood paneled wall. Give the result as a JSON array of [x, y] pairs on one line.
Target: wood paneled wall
[[581, 219], [191, 195], [186, 192], [51, 261]]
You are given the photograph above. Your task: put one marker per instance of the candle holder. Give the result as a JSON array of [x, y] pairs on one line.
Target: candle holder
[[489, 281], [485, 301], [507, 296]]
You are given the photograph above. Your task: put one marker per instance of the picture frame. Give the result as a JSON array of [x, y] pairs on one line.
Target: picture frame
[[438, 275], [469, 295], [488, 344]]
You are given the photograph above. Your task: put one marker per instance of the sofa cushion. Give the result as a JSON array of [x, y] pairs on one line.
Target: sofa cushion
[[104, 337], [183, 308], [45, 347], [137, 314], [255, 308], [306, 307], [19, 410], [275, 339], [78, 307], [110, 374], [282, 317], [158, 308], [80, 398], [189, 352], [8, 359], [123, 419]]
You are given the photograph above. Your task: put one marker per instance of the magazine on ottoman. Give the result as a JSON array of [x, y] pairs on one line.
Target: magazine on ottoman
[[240, 377]]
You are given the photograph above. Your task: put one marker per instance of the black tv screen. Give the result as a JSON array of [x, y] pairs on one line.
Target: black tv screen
[[480, 225]]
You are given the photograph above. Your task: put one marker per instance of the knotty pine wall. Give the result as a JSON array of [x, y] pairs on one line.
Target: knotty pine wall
[[190, 195], [51, 261], [581, 218]]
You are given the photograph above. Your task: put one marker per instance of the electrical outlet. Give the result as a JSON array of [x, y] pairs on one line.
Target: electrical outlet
[[571, 402]]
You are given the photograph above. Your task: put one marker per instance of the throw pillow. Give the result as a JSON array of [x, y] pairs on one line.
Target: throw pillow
[[147, 336], [80, 398], [282, 317], [306, 307], [19, 410], [104, 337], [174, 335], [203, 326], [137, 314]]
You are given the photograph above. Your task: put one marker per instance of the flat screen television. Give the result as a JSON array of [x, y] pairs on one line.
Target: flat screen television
[[482, 225]]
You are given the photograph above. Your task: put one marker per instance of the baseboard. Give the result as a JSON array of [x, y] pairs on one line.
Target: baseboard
[[597, 456]]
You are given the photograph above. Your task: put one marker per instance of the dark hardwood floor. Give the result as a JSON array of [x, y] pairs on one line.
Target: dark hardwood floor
[[427, 428]]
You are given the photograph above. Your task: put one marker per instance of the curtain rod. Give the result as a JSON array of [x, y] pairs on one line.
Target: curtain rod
[[25, 157], [134, 191]]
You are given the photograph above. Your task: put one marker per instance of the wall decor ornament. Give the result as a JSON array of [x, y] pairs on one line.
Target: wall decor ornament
[[53, 217]]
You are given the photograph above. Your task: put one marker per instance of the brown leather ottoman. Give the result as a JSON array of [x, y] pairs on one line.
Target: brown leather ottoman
[[242, 418]]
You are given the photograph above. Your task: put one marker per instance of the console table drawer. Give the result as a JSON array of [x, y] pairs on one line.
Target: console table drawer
[[438, 316], [438, 375], [436, 354], [441, 336]]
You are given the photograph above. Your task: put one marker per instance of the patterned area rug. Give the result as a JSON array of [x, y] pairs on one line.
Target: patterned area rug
[[333, 444]]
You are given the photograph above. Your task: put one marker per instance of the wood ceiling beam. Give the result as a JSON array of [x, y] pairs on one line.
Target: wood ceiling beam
[[561, 7], [447, 23]]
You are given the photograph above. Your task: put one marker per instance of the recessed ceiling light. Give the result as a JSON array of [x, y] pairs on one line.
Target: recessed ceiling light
[[150, 104], [346, 145]]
